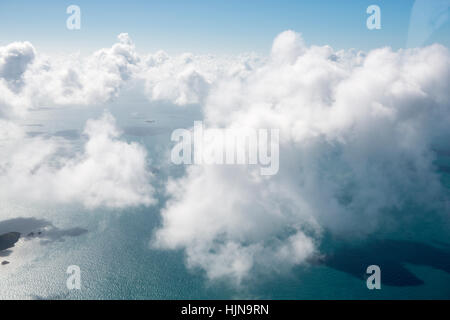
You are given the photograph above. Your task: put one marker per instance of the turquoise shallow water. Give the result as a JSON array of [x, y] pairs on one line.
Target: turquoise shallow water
[[117, 261]]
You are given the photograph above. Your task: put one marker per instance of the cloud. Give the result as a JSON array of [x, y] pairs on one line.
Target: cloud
[[187, 79], [108, 172], [92, 80], [287, 47], [14, 60], [357, 133], [29, 79], [238, 222]]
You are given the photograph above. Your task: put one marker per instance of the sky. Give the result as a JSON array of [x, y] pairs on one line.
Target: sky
[[201, 26]]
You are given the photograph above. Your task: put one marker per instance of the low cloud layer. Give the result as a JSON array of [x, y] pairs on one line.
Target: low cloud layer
[[187, 79], [29, 80]]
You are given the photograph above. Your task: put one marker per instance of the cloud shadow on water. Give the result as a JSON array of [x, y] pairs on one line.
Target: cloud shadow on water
[[391, 256], [33, 228]]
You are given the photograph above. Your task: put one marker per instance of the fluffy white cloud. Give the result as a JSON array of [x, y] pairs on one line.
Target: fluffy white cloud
[[29, 80], [108, 172], [14, 60], [287, 47], [92, 80], [187, 78], [356, 139], [229, 219]]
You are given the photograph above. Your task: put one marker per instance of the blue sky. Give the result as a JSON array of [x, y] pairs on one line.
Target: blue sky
[[212, 26]]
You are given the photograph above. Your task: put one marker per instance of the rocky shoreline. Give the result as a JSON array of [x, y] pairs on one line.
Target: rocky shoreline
[[7, 241]]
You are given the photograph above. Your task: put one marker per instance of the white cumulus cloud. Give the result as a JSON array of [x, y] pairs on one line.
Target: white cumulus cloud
[[357, 133], [108, 172]]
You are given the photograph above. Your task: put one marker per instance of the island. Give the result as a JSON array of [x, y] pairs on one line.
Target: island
[[8, 240]]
